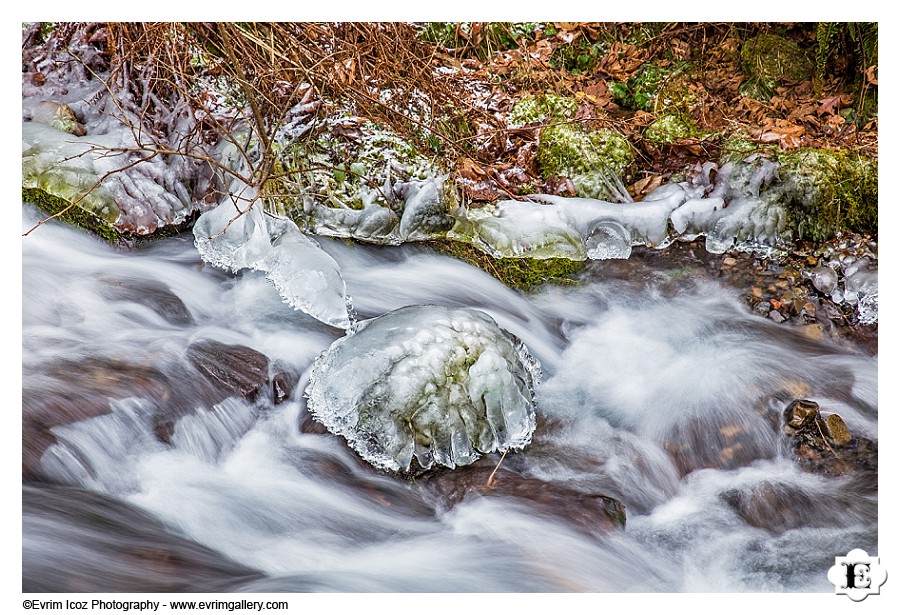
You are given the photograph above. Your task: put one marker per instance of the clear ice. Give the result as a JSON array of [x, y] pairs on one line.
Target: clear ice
[[307, 278], [728, 205], [139, 198], [426, 383]]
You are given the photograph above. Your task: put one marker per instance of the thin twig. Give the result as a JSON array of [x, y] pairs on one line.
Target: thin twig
[[490, 483]]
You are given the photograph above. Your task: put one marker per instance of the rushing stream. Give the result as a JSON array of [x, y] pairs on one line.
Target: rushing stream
[[658, 390]]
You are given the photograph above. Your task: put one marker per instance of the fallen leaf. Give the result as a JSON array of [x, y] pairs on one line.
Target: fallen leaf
[[871, 74], [832, 104], [469, 169], [561, 186], [642, 187]]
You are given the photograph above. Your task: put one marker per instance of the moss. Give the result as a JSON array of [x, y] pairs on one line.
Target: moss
[[76, 216], [671, 128], [652, 87], [830, 192], [343, 172], [772, 58], [592, 159], [738, 147], [524, 274], [546, 107], [825, 191]]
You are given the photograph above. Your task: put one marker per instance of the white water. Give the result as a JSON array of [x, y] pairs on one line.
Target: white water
[[628, 366]]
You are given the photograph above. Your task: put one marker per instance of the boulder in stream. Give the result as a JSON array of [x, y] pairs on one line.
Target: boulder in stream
[[426, 385]]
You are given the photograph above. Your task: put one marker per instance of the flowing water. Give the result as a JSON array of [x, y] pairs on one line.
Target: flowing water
[[658, 390]]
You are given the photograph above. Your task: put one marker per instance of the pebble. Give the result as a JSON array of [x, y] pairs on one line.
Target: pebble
[[776, 316], [813, 331], [729, 261]]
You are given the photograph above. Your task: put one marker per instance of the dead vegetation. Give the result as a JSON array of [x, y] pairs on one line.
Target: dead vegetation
[[448, 89]]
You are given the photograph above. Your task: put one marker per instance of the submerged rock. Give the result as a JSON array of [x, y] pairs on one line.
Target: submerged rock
[[591, 512], [78, 541], [62, 392], [426, 385], [150, 293]]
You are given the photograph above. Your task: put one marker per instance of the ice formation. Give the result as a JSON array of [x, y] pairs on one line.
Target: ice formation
[[851, 282], [727, 205], [423, 208], [305, 275], [138, 199], [426, 383]]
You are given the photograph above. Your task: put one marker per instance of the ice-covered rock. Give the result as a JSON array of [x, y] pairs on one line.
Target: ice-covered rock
[[426, 385], [424, 206], [306, 276], [861, 290], [131, 189]]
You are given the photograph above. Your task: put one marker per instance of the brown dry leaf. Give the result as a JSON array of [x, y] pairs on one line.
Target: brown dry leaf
[[485, 190], [597, 93], [782, 132], [871, 74], [642, 187], [561, 186], [542, 51], [691, 145], [833, 104], [622, 61], [469, 169], [525, 157]]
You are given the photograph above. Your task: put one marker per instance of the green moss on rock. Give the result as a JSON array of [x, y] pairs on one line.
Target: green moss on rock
[[767, 59], [592, 159], [670, 128], [76, 216], [539, 108], [524, 274], [830, 191]]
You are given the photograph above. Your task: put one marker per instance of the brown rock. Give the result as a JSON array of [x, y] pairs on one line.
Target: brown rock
[[150, 293], [836, 430], [798, 414], [824, 445], [590, 512], [772, 506], [239, 369]]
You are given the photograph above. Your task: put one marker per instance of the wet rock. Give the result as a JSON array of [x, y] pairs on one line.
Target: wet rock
[[78, 541], [772, 506], [593, 513], [778, 506], [282, 385], [705, 443], [68, 391], [836, 430], [150, 293], [825, 445], [798, 414], [239, 369]]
